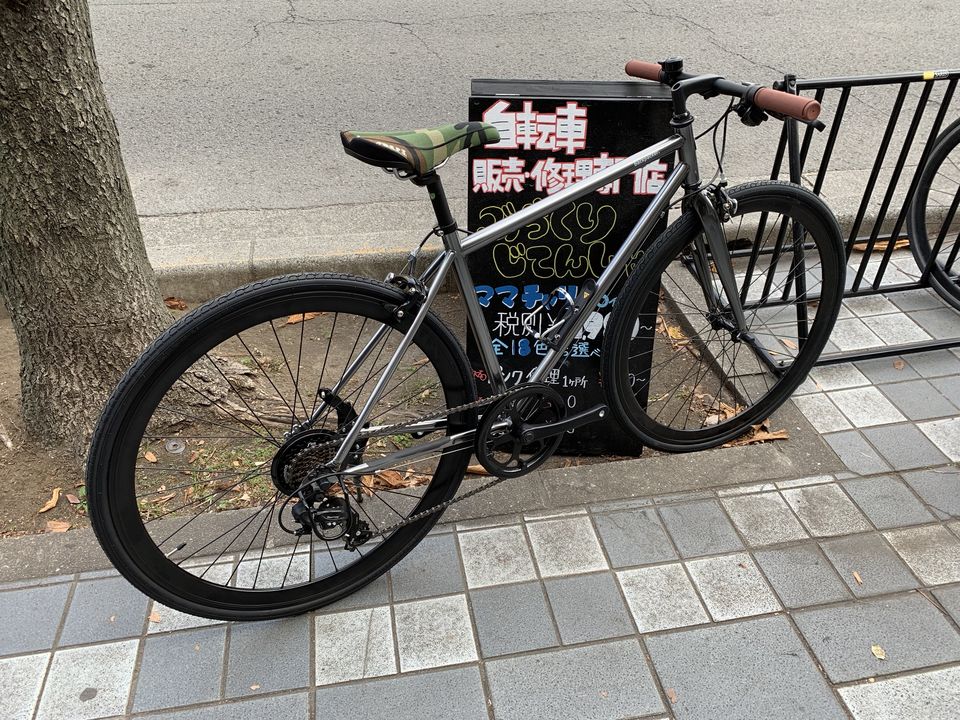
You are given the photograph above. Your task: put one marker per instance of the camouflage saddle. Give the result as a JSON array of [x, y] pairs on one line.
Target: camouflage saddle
[[417, 152]]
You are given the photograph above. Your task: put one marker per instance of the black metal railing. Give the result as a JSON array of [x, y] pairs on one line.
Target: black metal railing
[[926, 98]]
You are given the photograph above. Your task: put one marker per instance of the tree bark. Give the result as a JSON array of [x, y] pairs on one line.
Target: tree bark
[[73, 269]]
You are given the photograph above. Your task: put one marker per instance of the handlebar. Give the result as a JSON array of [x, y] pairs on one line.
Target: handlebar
[[776, 101]]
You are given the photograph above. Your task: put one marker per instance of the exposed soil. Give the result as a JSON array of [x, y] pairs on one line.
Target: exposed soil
[[31, 473]]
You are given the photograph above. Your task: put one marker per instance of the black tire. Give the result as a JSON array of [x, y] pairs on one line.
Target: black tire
[[647, 375], [935, 212], [150, 395]]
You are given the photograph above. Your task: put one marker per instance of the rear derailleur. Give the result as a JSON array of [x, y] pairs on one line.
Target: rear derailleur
[[329, 516]]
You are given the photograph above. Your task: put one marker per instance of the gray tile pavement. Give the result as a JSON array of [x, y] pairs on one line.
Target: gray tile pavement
[[540, 599], [700, 528], [911, 631], [588, 607], [759, 600], [512, 619], [180, 669], [933, 695], [868, 565], [887, 501], [611, 680], [801, 575], [748, 669]]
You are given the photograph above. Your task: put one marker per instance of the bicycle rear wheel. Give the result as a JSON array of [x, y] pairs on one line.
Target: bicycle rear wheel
[[934, 220], [201, 446], [673, 371]]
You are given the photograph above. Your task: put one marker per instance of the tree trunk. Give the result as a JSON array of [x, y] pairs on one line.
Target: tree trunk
[[73, 269]]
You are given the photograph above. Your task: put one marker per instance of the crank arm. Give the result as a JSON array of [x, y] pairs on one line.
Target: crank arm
[[530, 433]]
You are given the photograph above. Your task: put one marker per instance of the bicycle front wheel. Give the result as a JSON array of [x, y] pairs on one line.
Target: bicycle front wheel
[[196, 462], [934, 220], [676, 372]]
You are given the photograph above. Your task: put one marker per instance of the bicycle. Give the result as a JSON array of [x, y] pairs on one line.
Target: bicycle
[[933, 224], [339, 413]]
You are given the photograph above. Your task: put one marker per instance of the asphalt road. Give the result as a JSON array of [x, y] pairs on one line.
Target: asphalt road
[[229, 112]]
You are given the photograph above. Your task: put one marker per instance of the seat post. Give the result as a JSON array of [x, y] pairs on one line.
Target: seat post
[[445, 221]]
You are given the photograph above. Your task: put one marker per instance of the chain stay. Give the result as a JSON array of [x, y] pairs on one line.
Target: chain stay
[[316, 449]]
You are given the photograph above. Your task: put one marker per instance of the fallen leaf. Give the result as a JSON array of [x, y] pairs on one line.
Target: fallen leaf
[[163, 498], [174, 303], [759, 434], [193, 457], [899, 364], [72, 499], [789, 343], [476, 470], [255, 686], [878, 652], [149, 457], [391, 478], [57, 526], [672, 696], [154, 617], [856, 576], [881, 245], [52, 502], [302, 317]]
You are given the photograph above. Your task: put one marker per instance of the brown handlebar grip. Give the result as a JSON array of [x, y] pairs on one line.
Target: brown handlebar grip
[[643, 70], [796, 106]]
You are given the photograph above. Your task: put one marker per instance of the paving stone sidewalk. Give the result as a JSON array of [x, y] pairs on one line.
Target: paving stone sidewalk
[[833, 596]]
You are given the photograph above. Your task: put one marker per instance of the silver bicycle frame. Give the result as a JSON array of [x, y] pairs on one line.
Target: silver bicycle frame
[[454, 256]]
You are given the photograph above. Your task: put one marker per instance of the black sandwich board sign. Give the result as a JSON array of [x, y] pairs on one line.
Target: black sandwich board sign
[[552, 134]]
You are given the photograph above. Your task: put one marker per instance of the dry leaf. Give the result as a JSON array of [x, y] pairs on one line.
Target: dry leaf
[[174, 303], [789, 343], [878, 652], [881, 245], [301, 317], [856, 576], [163, 498], [149, 457], [391, 478], [759, 434], [672, 696], [52, 502], [476, 470], [57, 526], [154, 617], [193, 457], [72, 499], [899, 364]]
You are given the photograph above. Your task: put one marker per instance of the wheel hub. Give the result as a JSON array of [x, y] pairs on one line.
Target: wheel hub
[[299, 456]]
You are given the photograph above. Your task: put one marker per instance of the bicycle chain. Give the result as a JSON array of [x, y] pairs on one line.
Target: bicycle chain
[[416, 517]]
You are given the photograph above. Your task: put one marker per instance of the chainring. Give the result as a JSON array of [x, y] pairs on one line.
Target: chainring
[[499, 446]]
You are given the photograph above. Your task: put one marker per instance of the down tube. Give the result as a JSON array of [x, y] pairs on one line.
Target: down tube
[[637, 235]]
